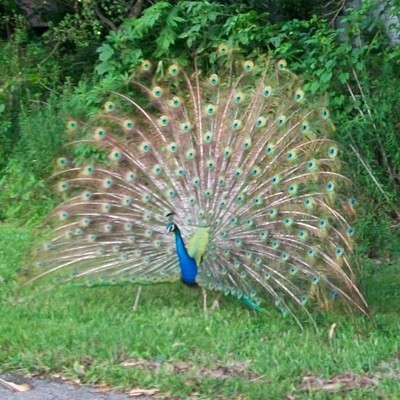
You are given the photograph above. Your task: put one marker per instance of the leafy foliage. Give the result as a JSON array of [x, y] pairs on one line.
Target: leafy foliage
[[360, 74], [23, 78], [24, 190]]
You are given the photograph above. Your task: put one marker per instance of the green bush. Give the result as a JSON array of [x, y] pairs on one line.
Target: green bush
[[25, 185], [361, 77]]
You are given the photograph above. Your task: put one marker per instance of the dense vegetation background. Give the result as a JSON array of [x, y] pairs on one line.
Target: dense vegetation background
[[62, 60]]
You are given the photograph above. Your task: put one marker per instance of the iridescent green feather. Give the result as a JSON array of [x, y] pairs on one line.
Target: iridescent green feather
[[198, 244]]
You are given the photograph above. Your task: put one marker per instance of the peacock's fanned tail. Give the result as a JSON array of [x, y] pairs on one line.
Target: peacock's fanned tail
[[240, 151]]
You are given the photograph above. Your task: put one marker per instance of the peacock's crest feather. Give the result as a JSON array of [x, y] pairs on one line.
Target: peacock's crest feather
[[242, 156]]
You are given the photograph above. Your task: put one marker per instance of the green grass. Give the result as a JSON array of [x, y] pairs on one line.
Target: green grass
[[232, 353]]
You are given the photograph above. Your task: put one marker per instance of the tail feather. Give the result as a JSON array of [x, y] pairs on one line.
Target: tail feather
[[242, 151]]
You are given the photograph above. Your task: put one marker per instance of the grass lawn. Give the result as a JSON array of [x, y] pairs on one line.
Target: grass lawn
[[170, 345]]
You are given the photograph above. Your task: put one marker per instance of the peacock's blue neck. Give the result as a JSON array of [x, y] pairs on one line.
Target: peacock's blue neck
[[186, 263]]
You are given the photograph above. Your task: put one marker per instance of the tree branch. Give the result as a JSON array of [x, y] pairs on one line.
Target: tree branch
[[136, 9], [105, 20]]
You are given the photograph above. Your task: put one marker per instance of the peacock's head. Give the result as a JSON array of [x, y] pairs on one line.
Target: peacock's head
[[171, 227]]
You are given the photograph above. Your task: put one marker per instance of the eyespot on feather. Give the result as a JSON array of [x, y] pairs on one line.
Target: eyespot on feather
[[325, 113], [248, 65], [145, 65], [163, 120], [62, 162], [208, 137], [130, 176], [261, 122], [175, 101], [267, 91], [281, 64], [299, 95], [72, 125], [88, 170], [304, 126], [115, 154], [144, 147], [237, 124], [281, 120], [62, 186], [213, 79], [173, 70], [99, 134], [109, 106], [270, 149], [190, 154], [332, 151], [128, 124], [185, 127], [157, 169], [210, 109], [223, 49], [157, 91]]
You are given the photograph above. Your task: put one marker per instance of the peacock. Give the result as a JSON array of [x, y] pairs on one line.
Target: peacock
[[222, 176]]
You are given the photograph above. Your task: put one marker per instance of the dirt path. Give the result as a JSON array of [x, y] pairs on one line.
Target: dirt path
[[56, 390]]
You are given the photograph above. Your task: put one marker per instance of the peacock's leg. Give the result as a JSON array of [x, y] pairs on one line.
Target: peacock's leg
[[204, 293], [136, 303]]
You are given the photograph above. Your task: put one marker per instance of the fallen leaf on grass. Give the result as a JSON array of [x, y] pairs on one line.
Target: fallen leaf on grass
[[24, 387], [337, 383], [218, 371], [233, 369], [65, 379], [390, 369], [143, 392], [103, 388], [141, 363], [223, 372], [332, 331], [78, 368], [181, 367]]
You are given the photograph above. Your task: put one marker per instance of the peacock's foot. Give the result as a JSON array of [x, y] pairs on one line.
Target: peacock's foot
[[215, 304]]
